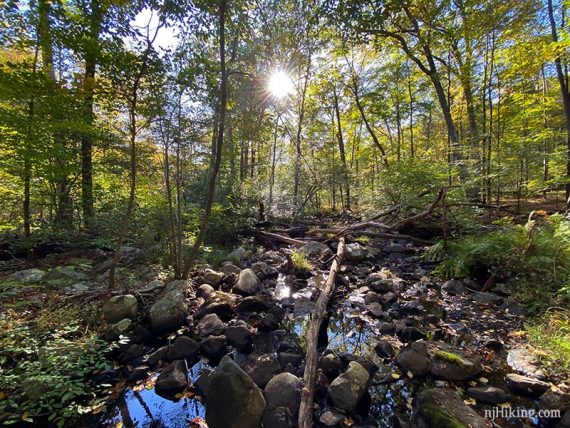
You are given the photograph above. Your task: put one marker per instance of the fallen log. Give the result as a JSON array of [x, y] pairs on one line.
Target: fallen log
[[383, 235], [308, 391], [279, 238]]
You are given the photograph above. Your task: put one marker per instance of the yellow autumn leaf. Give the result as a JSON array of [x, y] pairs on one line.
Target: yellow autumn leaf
[[2, 395], [119, 425]]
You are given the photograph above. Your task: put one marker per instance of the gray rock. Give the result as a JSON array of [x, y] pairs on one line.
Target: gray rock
[[354, 252], [183, 348], [118, 308], [262, 368], [263, 270], [414, 358], [291, 358], [268, 323], [565, 421], [233, 399], [211, 324], [248, 283], [64, 276], [375, 309], [29, 276], [80, 287], [380, 285], [410, 334], [240, 337], [316, 249], [168, 312], [453, 287], [551, 400], [158, 355], [524, 362], [331, 365], [130, 253], [512, 307], [205, 291], [229, 269], [451, 366], [282, 395], [437, 407], [177, 285], [214, 347], [212, 277], [239, 254], [348, 388], [330, 418], [119, 328], [372, 297], [488, 394], [526, 385], [384, 349], [387, 328], [487, 298], [172, 379]]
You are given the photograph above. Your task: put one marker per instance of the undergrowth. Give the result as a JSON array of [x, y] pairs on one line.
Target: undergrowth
[[533, 259], [300, 262]]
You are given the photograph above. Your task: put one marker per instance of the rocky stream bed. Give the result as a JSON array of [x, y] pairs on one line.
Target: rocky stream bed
[[399, 348]]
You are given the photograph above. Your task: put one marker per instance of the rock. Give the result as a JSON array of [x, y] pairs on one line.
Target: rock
[[453, 287], [214, 347], [384, 349], [348, 388], [380, 285], [137, 374], [254, 304], [168, 312], [183, 348], [372, 297], [488, 394], [268, 323], [263, 270], [414, 358], [159, 355], [387, 328], [525, 362], [443, 408], [287, 358], [204, 382], [119, 328], [132, 352], [330, 418], [64, 276], [177, 285], [130, 253], [212, 277], [233, 400], [172, 379], [211, 324], [354, 252], [331, 365], [316, 249], [248, 283], [29, 276], [526, 385], [389, 298], [240, 337], [262, 368], [239, 254], [375, 309], [494, 345], [218, 303], [487, 298], [552, 401], [229, 269], [205, 291], [565, 421], [118, 308], [451, 366], [282, 395], [410, 334], [512, 307], [80, 287], [156, 285]]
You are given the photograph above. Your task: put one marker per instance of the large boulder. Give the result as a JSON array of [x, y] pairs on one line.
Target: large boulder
[[64, 276], [414, 358], [452, 366], [233, 399], [248, 283], [118, 308], [488, 394], [441, 408], [29, 276], [283, 399], [453, 287], [347, 389], [354, 252], [229, 269], [262, 368], [212, 277], [526, 385], [168, 312], [211, 324], [183, 348], [316, 249], [172, 379]]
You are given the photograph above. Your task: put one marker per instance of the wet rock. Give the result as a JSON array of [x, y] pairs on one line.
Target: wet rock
[[268, 323], [526, 385], [290, 358], [410, 334], [550, 401], [159, 355], [183, 348], [438, 407], [354, 252], [494, 345], [372, 297], [168, 313], [414, 358], [387, 328], [212, 277], [263, 270], [137, 374], [240, 337], [262, 368], [229, 269], [487, 298], [348, 388], [118, 308], [488, 394], [205, 291], [29, 276], [211, 324], [219, 303], [204, 382], [233, 399], [389, 298], [172, 379], [248, 283], [384, 349], [525, 362], [331, 365], [214, 347], [254, 304], [316, 249], [132, 352], [330, 418], [283, 398], [118, 328], [375, 309], [451, 366], [453, 287], [380, 285], [512, 307]]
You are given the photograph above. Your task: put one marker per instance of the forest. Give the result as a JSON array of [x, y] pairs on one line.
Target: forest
[[285, 213]]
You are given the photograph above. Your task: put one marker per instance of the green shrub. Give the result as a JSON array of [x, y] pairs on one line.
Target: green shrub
[[534, 258], [300, 262], [550, 337]]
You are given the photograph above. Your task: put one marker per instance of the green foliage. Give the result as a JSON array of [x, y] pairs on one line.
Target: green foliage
[[448, 357], [300, 262], [534, 258], [46, 366], [550, 337]]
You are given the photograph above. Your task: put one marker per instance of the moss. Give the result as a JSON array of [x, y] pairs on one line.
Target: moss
[[300, 262], [437, 418], [448, 357]]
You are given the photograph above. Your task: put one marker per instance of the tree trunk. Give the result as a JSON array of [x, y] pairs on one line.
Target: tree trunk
[[341, 150]]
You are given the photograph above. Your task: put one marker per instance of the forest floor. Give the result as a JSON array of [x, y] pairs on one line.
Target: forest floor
[[399, 347]]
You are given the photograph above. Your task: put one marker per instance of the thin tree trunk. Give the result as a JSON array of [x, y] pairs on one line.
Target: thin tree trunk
[[341, 151]]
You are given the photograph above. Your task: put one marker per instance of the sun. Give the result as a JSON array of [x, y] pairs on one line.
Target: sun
[[280, 84]]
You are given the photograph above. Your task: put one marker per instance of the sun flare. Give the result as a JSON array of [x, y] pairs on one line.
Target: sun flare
[[280, 84]]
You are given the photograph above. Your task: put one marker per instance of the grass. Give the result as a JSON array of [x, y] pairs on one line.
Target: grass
[[300, 262], [549, 337], [448, 357]]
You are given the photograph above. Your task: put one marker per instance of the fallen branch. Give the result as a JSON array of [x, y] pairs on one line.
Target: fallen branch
[[372, 234], [424, 213], [308, 391], [279, 238]]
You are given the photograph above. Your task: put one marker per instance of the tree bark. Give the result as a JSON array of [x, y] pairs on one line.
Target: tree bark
[[342, 151]]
